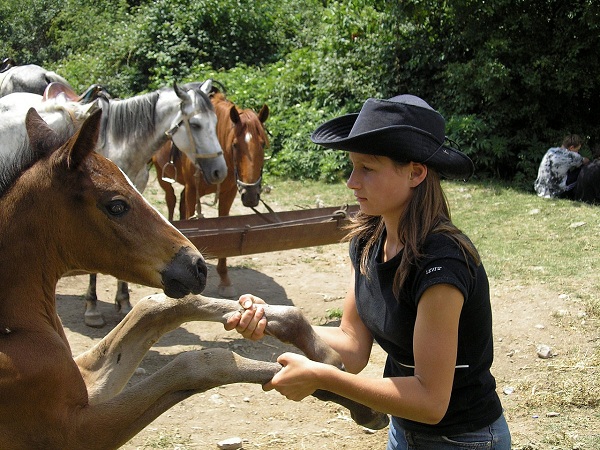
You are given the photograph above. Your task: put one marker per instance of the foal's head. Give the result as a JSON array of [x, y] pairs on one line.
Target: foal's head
[[92, 218]]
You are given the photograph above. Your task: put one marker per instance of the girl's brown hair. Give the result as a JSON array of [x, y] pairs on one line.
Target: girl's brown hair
[[427, 212]]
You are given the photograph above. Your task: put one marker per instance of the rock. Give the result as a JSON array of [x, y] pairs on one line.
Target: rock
[[508, 390], [544, 351], [233, 443]]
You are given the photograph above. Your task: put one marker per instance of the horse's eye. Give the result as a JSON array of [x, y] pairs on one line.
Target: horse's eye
[[117, 207]]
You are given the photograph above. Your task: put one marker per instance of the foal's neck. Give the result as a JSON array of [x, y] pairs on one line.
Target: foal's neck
[[29, 265]]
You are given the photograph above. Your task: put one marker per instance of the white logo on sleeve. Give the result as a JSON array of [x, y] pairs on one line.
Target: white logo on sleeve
[[433, 269]]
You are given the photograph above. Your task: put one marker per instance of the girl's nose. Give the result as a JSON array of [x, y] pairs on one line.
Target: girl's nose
[[351, 183]]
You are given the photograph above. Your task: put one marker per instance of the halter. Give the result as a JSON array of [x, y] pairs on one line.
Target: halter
[[240, 184], [185, 120]]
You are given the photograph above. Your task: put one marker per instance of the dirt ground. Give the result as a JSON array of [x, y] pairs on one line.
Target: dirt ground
[[314, 279]]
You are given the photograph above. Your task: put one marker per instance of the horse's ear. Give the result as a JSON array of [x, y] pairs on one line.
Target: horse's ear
[[207, 86], [234, 115], [181, 93], [263, 114], [84, 141], [43, 140]]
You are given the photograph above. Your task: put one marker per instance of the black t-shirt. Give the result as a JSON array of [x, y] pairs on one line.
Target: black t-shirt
[[474, 402]]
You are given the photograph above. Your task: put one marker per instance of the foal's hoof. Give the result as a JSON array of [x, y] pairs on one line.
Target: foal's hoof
[[94, 319], [377, 422]]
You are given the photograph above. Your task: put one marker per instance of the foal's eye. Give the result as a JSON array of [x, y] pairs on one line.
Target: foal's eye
[[117, 207]]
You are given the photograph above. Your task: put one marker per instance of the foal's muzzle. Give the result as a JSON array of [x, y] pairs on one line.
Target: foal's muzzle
[[185, 274]]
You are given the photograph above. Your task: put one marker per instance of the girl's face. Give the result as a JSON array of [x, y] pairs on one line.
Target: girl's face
[[381, 186]]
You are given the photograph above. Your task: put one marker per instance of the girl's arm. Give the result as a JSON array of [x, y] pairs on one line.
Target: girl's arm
[[352, 340], [423, 397]]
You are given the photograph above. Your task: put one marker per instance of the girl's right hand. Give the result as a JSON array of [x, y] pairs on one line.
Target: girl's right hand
[[250, 323]]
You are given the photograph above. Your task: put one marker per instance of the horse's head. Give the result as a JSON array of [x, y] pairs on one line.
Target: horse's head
[[91, 218], [193, 131], [248, 140]]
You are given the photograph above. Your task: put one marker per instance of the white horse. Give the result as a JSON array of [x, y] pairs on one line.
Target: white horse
[[63, 117], [27, 78]]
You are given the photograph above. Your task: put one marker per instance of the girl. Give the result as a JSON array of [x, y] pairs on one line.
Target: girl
[[417, 287]]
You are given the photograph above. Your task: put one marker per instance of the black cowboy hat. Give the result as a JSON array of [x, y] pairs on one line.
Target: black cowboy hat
[[404, 128]]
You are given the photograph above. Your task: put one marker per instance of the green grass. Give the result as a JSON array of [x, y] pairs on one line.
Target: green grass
[[521, 237], [531, 240]]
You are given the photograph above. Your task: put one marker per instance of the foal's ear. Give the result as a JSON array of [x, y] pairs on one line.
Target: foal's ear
[[43, 140], [84, 141]]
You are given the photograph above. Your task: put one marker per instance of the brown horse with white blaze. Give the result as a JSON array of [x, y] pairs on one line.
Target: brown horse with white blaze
[[243, 139], [70, 209]]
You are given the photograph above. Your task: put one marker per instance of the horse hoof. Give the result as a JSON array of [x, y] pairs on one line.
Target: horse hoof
[[94, 320], [123, 307], [227, 291]]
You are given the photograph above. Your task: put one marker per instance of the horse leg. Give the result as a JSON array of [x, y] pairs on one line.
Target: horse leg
[[122, 303], [109, 423], [108, 366], [226, 288], [189, 203], [91, 316], [170, 197]]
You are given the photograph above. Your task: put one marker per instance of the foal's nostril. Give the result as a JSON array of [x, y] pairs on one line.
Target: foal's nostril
[[185, 274], [201, 267]]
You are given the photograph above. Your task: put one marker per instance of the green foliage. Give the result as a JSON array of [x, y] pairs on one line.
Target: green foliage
[[175, 35], [24, 27], [512, 77], [528, 70]]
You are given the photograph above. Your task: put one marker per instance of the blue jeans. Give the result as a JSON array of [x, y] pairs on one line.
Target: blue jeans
[[493, 437]]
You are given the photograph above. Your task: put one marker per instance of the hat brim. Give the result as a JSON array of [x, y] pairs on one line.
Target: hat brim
[[400, 142]]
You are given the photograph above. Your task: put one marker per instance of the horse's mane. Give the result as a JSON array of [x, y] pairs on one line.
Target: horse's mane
[[205, 105], [15, 161], [135, 113]]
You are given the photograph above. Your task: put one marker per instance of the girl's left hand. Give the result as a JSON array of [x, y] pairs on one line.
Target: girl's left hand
[[297, 379]]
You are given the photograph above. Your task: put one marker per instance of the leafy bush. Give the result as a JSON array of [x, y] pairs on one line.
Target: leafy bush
[[511, 78]]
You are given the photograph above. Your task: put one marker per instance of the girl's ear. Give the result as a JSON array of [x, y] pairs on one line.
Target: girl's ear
[[418, 172]]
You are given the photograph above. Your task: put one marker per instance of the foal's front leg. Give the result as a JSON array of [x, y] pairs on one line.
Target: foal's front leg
[[108, 366], [110, 423]]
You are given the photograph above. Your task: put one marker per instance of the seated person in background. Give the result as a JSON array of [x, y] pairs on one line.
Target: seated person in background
[[559, 168]]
